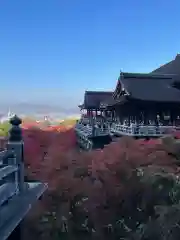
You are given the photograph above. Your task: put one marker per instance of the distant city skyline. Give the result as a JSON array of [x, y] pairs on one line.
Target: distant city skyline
[[38, 109], [52, 117]]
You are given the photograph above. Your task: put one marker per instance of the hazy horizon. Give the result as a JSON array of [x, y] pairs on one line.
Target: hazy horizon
[[30, 109]]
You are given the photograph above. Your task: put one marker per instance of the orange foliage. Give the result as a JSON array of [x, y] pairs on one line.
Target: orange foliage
[[100, 175]]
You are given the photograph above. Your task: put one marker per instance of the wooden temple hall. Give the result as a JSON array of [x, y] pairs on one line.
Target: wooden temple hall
[[142, 105]]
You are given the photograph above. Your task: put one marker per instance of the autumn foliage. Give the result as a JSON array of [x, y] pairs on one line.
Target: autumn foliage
[[128, 190]]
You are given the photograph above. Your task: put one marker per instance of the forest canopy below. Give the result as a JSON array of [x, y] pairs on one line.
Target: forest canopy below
[[128, 190]]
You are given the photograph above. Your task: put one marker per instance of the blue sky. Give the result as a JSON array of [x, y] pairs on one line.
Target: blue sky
[[51, 51]]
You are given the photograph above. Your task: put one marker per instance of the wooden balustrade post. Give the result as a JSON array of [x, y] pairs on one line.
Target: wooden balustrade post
[[16, 144]]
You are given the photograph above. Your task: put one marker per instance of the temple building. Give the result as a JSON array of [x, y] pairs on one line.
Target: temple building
[[92, 106], [141, 105], [146, 104], [92, 129]]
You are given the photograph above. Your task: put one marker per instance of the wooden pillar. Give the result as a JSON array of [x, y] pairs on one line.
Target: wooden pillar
[[89, 115], [144, 117], [177, 115], [172, 117], [113, 115]]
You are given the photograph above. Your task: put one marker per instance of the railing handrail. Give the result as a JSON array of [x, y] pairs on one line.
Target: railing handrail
[[90, 130], [141, 130]]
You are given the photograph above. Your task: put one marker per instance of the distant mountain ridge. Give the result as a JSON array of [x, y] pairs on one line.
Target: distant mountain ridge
[[33, 109], [36, 108]]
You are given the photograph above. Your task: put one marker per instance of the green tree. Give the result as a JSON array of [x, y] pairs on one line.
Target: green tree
[[4, 128]]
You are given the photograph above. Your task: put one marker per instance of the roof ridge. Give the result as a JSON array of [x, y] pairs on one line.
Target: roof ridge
[[149, 75], [98, 91]]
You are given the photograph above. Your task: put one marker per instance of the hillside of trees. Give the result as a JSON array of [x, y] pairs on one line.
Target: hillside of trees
[[128, 190]]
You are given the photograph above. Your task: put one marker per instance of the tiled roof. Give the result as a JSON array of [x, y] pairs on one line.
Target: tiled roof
[[92, 99], [172, 67], [151, 87]]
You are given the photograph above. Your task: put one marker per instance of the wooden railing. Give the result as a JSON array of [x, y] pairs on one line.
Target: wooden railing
[[141, 130], [16, 195], [91, 131]]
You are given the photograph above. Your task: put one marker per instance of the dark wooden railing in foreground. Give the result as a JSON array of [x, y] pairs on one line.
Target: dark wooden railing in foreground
[[16, 195]]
